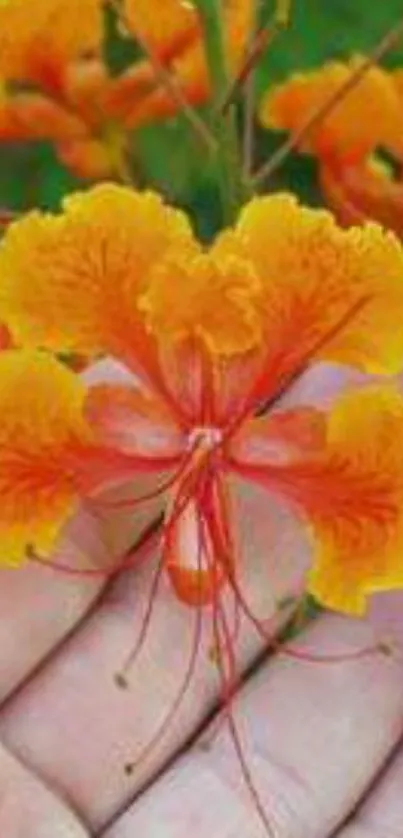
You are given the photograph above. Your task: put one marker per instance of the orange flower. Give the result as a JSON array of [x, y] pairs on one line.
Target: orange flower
[[210, 339], [37, 43], [368, 117], [33, 116], [164, 29], [56, 51], [360, 544], [96, 256], [174, 35], [76, 104], [54, 48], [49, 457]]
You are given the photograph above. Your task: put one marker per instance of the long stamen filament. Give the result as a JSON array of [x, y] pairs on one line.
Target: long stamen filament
[[183, 689], [274, 645], [229, 684], [121, 677]]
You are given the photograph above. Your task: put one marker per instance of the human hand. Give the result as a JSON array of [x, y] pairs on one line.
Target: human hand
[[314, 735]]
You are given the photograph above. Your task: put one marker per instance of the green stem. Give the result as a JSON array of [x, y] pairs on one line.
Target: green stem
[[224, 124]]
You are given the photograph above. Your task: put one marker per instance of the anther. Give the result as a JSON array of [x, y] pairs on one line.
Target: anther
[[121, 681], [388, 647], [207, 437]]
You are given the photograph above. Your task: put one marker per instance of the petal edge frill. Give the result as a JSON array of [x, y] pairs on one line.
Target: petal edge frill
[[70, 282], [44, 445], [351, 495], [327, 293]]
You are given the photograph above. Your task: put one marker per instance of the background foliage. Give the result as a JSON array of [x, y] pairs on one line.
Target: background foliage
[[167, 154]]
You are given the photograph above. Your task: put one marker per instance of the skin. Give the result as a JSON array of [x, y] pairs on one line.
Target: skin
[[321, 739]]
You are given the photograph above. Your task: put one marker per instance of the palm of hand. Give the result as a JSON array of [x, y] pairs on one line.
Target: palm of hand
[[314, 735]]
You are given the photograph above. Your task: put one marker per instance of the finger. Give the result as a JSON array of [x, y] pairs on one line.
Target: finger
[[386, 614], [314, 736], [381, 816], [40, 605], [321, 384], [79, 730], [30, 810]]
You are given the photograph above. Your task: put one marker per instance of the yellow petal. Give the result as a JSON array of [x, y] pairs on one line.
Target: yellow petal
[[211, 297], [70, 282], [43, 438], [355, 500], [346, 482], [327, 293]]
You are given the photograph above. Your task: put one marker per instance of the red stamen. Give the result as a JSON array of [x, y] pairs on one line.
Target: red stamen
[[187, 488], [121, 677], [130, 503], [278, 647], [182, 692], [185, 465], [163, 728], [229, 685]]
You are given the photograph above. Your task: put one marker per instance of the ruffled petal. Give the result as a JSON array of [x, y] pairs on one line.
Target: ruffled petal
[[351, 494], [327, 293], [367, 116], [359, 518], [70, 282], [288, 286], [209, 297], [45, 444]]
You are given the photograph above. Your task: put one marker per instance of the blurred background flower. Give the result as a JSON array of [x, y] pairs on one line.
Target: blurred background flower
[[165, 152]]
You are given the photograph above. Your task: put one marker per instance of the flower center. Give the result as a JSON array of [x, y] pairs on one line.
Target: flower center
[[204, 437]]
